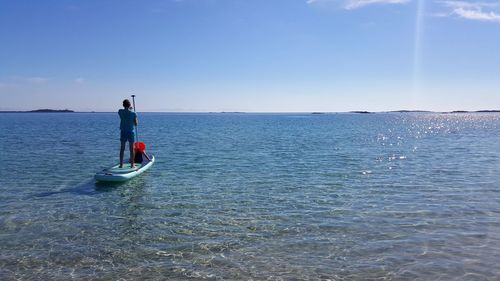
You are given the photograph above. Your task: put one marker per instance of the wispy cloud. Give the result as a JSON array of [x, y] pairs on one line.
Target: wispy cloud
[[79, 80], [37, 80], [356, 4], [480, 11], [29, 80]]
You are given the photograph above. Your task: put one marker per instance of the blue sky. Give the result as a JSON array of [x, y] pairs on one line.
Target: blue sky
[[252, 55]]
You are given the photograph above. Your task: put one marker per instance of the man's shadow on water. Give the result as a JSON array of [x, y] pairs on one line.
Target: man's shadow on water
[[130, 206], [88, 188]]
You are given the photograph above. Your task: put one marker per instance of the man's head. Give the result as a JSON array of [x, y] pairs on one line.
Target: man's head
[[126, 103]]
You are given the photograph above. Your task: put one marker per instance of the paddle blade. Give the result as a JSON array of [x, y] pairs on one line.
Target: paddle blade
[[140, 147]]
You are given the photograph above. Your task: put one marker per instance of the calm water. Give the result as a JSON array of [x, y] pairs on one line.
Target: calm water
[[253, 197]]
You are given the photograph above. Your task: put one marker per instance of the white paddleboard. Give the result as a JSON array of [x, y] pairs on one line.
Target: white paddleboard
[[117, 174]]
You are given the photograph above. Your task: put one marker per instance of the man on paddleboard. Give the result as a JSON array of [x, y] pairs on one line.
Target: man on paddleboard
[[128, 119]]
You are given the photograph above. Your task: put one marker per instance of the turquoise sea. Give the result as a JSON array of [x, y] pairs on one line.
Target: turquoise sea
[[386, 196]]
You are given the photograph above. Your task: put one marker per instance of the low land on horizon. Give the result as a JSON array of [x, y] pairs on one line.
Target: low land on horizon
[[45, 110], [241, 112]]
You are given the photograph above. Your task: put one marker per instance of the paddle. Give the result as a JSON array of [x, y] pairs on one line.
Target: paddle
[[138, 146]]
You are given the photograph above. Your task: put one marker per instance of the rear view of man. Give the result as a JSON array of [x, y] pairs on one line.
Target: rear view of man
[[128, 119]]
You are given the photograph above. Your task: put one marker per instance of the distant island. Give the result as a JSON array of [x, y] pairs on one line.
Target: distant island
[[448, 112], [45, 110], [51, 110], [411, 111], [419, 111], [360, 112], [477, 111], [488, 111]]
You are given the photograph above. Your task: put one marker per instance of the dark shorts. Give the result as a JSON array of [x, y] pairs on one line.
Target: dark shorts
[[127, 136]]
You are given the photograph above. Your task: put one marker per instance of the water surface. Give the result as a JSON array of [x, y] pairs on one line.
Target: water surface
[[253, 197]]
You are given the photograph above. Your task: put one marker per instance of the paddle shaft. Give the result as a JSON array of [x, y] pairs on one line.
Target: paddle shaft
[[136, 129]]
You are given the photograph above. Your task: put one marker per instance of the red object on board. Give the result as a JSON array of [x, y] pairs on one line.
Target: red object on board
[[140, 147]]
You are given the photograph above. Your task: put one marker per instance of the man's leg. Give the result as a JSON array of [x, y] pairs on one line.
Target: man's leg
[[122, 151], [132, 155]]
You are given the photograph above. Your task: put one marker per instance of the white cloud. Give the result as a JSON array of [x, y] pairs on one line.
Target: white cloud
[[79, 80], [355, 4], [477, 15], [29, 80], [480, 11], [37, 80]]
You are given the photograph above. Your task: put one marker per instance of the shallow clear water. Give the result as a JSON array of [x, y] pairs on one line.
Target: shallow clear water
[[253, 196]]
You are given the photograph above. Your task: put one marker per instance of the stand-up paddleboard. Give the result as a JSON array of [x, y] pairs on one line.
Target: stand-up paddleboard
[[126, 172], [117, 174]]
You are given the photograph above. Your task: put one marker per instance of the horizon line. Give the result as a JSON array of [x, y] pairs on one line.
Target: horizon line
[[264, 112]]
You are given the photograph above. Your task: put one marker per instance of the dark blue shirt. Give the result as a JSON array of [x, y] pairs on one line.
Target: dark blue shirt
[[127, 119]]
